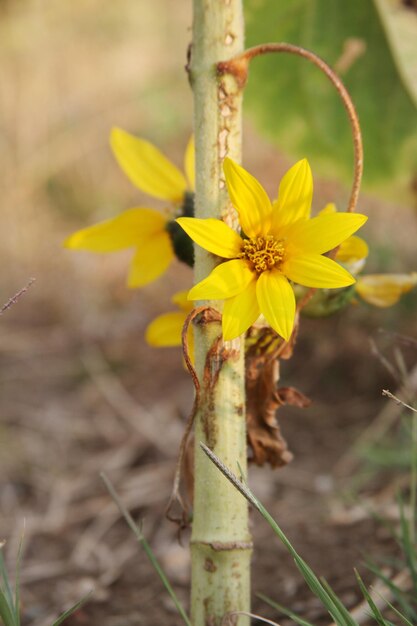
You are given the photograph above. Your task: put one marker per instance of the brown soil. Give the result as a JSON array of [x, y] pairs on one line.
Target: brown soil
[[72, 409]]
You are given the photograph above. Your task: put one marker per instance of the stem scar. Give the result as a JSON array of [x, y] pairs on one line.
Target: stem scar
[[209, 565]]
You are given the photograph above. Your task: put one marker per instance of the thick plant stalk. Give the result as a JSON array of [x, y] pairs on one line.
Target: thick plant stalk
[[221, 545]]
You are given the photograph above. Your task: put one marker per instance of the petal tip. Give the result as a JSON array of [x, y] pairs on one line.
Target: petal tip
[[116, 133], [228, 164], [228, 333], [191, 294], [67, 242], [350, 281], [183, 221], [149, 337], [73, 241], [304, 164]]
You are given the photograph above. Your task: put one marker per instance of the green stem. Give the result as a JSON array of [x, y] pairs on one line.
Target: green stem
[[221, 545], [413, 485]]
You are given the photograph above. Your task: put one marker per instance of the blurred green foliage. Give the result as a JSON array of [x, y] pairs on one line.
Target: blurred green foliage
[[10, 596], [297, 107], [399, 19]]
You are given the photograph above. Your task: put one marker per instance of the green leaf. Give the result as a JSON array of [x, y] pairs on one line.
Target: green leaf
[[297, 107], [400, 24]]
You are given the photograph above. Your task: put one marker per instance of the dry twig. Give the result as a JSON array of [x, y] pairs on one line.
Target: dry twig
[[386, 392], [16, 297]]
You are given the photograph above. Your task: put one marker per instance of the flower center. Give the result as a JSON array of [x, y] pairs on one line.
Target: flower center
[[181, 242], [263, 253]]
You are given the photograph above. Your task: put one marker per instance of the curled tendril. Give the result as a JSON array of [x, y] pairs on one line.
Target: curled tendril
[[238, 66], [176, 497]]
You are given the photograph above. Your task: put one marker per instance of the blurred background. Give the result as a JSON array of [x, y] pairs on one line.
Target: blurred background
[[81, 392]]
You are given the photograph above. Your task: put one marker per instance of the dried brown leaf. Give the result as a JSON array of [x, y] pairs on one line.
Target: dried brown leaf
[[263, 397]]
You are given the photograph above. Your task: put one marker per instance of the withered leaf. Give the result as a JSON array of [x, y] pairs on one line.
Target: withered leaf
[[263, 398]]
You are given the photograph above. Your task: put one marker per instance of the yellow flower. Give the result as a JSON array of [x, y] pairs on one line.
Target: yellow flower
[[166, 330], [148, 231], [279, 243], [353, 252], [384, 290]]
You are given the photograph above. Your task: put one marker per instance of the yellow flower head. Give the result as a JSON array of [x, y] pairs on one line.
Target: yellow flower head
[[278, 243], [381, 290], [166, 330], [353, 252], [384, 290], [148, 231]]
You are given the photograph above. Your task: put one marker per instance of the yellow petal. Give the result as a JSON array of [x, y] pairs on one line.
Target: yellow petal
[[151, 260], [323, 233], [249, 199], [225, 281], [124, 231], [165, 330], [212, 235], [191, 343], [384, 290], [240, 312], [352, 250], [189, 163], [277, 302], [328, 209], [147, 167], [294, 196], [181, 300], [313, 270]]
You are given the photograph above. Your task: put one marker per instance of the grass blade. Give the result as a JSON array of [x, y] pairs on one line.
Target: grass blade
[[282, 609], [6, 614], [402, 617], [7, 605], [147, 548], [379, 618], [17, 582], [407, 544], [338, 602], [336, 610], [71, 610], [399, 594], [5, 589]]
